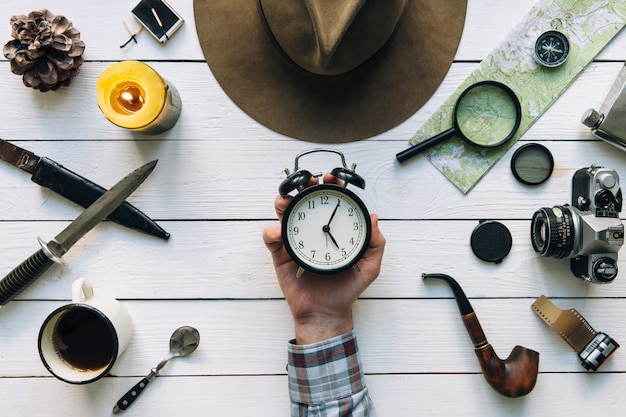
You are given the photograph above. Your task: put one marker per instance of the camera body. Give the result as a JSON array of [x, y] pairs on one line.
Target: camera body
[[589, 231]]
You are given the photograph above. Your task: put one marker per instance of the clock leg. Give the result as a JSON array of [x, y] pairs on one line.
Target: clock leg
[[299, 272]]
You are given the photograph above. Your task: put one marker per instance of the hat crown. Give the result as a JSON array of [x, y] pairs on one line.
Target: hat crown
[[331, 37], [403, 51], [331, 19]]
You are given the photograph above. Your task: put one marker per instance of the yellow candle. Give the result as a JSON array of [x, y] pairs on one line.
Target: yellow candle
[[133, 95]]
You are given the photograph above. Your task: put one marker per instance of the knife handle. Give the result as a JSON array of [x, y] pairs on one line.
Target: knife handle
[[23, 275], [80, 190], [130, 396]]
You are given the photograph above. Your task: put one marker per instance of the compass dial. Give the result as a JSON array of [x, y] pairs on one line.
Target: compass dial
[[551, 49]]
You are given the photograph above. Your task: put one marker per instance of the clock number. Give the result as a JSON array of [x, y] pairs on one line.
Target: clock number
[[352, 241], [301, 244], [301, 215], [311, 204], [327, 256], [313, 254], [351, 211], [343, 252], [324, 199], [356, 225], [296, 230]]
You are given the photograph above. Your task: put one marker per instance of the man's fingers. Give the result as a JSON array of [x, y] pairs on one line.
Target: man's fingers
[[280, 205], [377, 240], [331, 179], [272, 238]]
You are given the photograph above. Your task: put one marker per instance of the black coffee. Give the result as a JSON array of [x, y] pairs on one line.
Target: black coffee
[[84, 339]]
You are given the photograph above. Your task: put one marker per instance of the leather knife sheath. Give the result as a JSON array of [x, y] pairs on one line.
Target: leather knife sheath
[[76, 188]]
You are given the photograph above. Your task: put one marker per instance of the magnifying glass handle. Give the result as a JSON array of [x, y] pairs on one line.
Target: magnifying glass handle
[[422, 146]]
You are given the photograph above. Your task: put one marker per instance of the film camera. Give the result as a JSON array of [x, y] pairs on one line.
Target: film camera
[[589, 232]]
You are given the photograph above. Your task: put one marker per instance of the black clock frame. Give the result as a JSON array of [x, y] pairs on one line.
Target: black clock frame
[[294, 202]]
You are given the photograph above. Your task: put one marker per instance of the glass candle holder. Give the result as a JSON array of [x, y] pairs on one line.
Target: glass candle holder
[[134, 96]]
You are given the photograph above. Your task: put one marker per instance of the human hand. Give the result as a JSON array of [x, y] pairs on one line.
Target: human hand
[[321, 305]]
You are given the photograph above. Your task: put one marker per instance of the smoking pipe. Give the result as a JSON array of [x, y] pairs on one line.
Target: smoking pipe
[[513, 377]]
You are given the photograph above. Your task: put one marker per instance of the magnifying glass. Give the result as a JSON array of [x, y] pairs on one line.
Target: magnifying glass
[[486, 114]]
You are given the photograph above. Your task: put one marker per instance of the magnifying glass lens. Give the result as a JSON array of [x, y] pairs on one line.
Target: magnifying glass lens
[[487, 115]]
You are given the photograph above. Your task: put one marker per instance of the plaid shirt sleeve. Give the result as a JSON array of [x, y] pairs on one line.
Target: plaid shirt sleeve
[[326, 379]]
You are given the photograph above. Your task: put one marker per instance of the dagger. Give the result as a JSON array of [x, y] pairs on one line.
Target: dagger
[[74, 187], [32, 268]]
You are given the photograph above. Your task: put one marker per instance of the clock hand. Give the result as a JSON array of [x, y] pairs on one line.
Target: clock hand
[[326, 229], [333, 239], [334, 212]]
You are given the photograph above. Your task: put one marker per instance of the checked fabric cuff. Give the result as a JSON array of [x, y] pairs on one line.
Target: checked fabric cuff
[[325, 371]]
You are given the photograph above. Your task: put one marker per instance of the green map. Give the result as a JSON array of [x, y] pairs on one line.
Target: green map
[[589, 26]]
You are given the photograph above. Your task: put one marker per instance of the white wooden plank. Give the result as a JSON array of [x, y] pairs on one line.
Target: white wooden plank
[[72, 112], [102, 29], [468, 395], [395, 336], [197, 396], [402, 395], [201, 261], [438, 395], [192, 182]]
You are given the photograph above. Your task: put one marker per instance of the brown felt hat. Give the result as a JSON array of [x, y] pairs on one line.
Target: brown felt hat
[[329, 71]]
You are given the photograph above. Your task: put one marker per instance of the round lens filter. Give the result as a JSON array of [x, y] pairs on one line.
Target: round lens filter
[[532, 164]]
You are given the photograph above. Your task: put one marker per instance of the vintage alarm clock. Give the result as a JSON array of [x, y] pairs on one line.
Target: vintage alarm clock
[[326, 228]]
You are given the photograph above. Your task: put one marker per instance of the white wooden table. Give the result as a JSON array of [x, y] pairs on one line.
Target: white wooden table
[[213, 189]]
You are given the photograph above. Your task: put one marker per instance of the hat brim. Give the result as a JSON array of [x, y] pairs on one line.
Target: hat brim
[[363, 103]]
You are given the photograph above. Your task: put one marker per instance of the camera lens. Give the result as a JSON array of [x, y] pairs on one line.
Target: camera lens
[[552, 231]]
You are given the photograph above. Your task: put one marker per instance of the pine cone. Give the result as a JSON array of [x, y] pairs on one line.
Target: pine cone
[[46, 50]]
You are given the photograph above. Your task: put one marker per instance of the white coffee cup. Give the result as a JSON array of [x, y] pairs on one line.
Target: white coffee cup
[[80, 342]]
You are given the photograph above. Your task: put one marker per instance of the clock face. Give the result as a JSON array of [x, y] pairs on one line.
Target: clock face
[[551, 49], [326, 229]]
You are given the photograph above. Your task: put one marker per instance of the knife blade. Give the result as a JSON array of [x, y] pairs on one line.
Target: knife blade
[[76, 188], [32, 268]]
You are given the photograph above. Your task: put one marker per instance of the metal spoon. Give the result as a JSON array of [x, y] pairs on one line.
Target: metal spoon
[[183, 341]]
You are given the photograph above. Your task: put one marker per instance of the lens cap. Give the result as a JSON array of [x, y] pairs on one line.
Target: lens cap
[[532, 164], [491, 241]]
